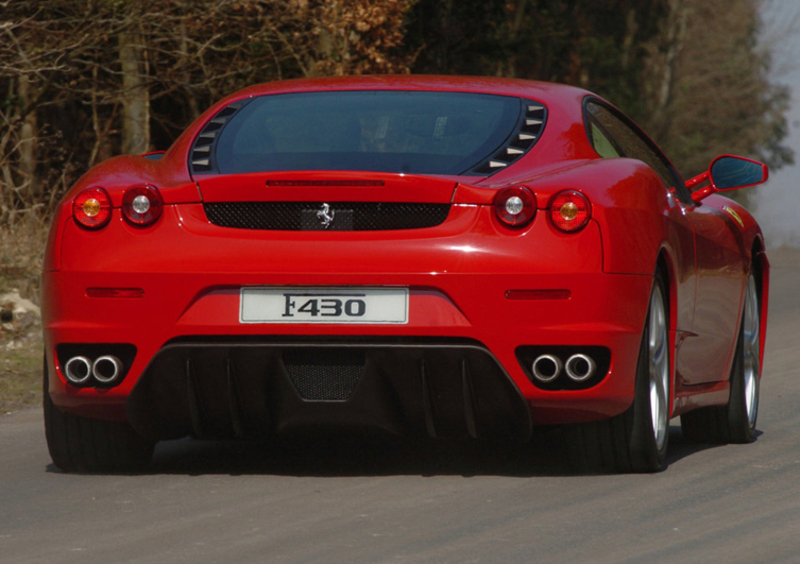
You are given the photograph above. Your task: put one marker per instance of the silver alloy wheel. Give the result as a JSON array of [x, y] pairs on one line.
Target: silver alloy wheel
[[752, 351], [658, 367]]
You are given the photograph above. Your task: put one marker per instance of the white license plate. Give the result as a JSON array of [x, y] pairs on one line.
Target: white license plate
[[298, 304]]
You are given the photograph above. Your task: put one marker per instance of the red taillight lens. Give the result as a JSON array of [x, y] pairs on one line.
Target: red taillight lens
[[142, 205], [92, 208], [515, 206], [570, 211]]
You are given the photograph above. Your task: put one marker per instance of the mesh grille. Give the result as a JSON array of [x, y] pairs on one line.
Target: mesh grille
[[309, 216], [325, 375]]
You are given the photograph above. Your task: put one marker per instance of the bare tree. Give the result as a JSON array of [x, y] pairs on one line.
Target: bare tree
[[83, 80], [710, 89], [135, 94]]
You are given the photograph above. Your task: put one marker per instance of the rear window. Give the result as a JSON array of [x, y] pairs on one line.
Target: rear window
[[382, 131]]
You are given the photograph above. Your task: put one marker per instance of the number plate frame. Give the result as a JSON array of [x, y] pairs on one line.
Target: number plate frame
[[324, 305]]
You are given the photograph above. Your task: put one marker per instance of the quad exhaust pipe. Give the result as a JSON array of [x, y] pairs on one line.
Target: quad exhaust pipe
[[78, 370], [547, 367], [105, 369], [578, 368]]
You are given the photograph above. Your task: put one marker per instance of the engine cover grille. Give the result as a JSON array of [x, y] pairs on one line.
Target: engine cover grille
[[336, 216]]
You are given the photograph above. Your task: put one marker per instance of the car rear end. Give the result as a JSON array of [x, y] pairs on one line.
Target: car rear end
[[258, 300]]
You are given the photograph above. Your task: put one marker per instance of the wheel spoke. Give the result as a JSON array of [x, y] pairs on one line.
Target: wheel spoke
[[658, 369], [752, 351]]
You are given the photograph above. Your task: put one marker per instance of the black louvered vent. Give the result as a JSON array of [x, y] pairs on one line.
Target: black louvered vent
[[525, 136], [326, 375], [202, 158], [320, 216]]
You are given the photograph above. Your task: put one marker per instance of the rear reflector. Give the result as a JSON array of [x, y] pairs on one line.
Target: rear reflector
[[538, 294], [114, 293]]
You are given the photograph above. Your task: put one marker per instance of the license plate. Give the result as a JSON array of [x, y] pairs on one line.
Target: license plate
[[323, 305]]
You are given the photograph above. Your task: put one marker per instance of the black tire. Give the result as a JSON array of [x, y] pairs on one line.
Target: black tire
[[83, 445], [636, 440], [736, 421]]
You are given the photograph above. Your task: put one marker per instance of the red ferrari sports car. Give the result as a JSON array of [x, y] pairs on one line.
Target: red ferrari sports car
[[434, 257]]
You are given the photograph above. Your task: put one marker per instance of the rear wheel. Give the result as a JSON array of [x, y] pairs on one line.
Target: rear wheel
[[736, 421], [79, 444], [637, 439]]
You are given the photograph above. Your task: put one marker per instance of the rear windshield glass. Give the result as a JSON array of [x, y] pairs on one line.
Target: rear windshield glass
[[381, 131]]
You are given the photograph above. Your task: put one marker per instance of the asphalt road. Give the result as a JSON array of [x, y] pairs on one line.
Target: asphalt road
[[243, 503]]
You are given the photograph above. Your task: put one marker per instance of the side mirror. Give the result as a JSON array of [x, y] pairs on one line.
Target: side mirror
[[728, 172]]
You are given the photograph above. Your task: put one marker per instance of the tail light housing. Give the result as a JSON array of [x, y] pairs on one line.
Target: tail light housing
[[92, 208], [142, 205], [515, 206], [570, 211]]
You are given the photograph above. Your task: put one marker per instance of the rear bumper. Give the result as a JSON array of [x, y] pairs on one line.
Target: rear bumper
[[603, 311]]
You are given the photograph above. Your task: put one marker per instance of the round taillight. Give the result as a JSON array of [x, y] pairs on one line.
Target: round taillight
[[92, 208], [570, 211], [515, 206], [142, 205]]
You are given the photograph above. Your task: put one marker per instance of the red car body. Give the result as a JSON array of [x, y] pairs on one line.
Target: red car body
[[484, 298]]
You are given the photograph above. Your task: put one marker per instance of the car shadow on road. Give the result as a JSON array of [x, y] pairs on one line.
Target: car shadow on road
[[546, 455], [680, 448], [365, 457]]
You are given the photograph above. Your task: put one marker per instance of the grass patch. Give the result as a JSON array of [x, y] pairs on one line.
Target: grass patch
[[21, 374], [21, 250]]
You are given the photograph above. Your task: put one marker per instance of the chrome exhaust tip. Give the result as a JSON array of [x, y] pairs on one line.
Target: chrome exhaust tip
[[580, 367], [546, 367], [78, 370], [106, 369]]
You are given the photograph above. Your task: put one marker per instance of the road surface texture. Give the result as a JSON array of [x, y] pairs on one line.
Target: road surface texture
[[329, 503]]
